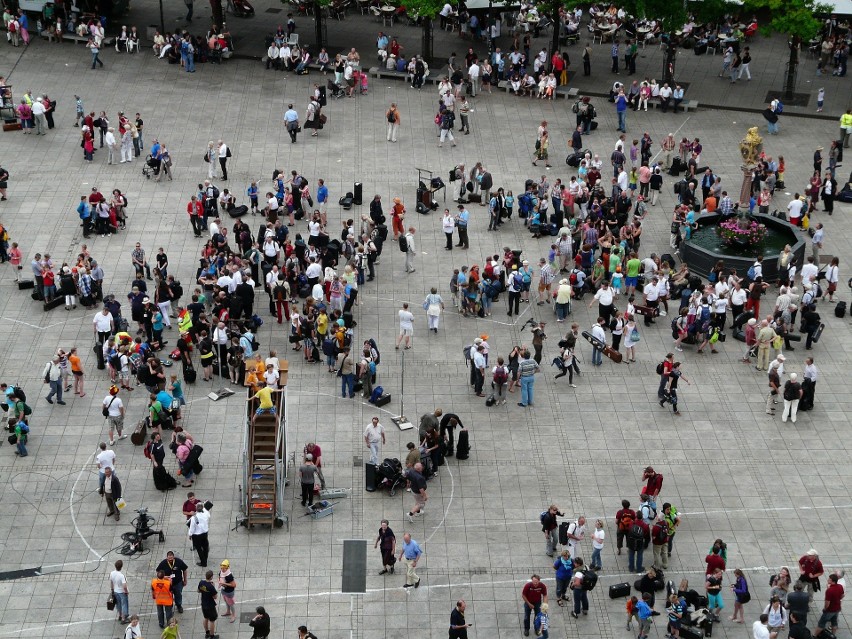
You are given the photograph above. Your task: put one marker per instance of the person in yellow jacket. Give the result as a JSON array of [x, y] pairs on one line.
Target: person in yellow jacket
[[846, 128], [161, 592], [184, 320]]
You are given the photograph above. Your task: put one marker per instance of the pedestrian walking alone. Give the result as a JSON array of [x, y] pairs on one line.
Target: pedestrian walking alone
[[394, 120]]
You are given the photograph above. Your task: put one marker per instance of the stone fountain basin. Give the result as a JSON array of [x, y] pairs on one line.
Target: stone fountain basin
[[701, 259]]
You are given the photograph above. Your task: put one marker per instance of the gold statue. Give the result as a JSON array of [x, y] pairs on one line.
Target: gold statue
[[751, 146]]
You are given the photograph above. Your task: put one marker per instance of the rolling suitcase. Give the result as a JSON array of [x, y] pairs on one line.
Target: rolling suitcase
[[384, 399], [138, 435], [189, 374], [463, 444], [619, 590], [25, 284], [57, 301], [99, 354], [563, 534], [818, 333], [691, 632], [840, 309], [574, 159]]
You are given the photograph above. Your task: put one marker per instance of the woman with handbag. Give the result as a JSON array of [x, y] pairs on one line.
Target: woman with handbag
[[741, 596]]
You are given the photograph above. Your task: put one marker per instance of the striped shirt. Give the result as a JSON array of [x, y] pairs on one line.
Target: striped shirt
[[527, 367]]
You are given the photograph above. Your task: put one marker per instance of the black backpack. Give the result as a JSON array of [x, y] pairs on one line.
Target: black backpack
[[403, 244], [590, 580], [635, 537]]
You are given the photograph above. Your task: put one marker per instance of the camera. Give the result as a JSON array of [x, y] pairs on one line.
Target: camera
[[142, 511]]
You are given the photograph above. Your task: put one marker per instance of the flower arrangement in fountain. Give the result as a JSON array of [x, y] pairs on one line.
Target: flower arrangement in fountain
[[742, 230]]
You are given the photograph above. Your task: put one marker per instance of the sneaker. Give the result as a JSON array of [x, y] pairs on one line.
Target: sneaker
[[122, 436], [573, 614], [112, 442], [410, 519], [663, 313], [572, 385]]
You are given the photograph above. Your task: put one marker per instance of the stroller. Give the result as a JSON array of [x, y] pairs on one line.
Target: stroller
[[390, 471], [335, 90], [150, 167]]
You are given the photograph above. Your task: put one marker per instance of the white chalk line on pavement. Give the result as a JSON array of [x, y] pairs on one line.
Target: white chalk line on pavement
[[370, 591]]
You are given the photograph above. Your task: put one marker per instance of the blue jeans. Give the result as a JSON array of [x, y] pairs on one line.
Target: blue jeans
[[622, 120], [581, 600], [55, 389], [190, 62], [637, 554], [96, 59], [22, 447], [347, 383], [122, 604], [527, 612], [772, 127], [597, 356], [186, 471], [596, 558], [561, 311], [527, 384]]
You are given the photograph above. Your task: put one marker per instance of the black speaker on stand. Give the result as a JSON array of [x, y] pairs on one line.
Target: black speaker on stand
[[358, 193], [370, 474]]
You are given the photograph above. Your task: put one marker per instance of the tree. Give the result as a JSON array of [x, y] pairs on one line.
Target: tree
[[671, 15], [425, 10], [797, 19]]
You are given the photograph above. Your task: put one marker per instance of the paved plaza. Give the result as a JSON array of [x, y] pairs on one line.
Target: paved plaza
[[770, 490]]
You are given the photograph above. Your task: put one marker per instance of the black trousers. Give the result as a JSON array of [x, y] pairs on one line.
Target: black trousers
[[514, 302], [463, 241], [478, 380], [202, 547], [307, 494], [587, 66], [223, 162]]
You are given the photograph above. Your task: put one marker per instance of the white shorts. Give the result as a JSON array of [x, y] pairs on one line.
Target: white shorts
[[406, 332]]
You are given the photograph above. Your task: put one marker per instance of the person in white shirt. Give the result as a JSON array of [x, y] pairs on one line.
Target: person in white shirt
[[832, 277], [118, 582], [40, 119], [473, 74], [406, 327], [104, 325], [652, 298], [597, 545], [214, 227], [313, 272], [103, 460], [809, 270], [271, 376], [374, 437], [272, 57], [318, 293], [411, 252], [760, 629], [199, 525], [604, 297], [223, 159], [448, 225], [794, 208], [623, 180]]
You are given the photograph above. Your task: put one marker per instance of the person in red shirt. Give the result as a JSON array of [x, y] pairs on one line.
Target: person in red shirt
[[533, 594], [714, 560], [624, 518], [831, 609], [654, 479], [96, 197], [811, 570], [668, 362], [195, 210]]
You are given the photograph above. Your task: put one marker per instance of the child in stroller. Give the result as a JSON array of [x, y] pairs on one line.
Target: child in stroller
[[335, 90], [390, 472]]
